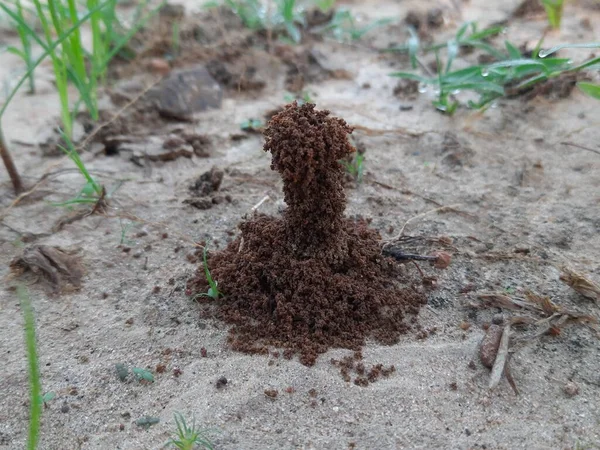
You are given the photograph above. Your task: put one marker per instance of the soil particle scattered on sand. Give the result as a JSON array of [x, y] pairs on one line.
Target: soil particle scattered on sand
[[353, 364], [312, 279], [407, 89]]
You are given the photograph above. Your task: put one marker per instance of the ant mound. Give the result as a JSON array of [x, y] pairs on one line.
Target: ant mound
[[312, 279]]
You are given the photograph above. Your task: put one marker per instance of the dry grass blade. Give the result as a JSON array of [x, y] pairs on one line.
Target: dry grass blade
[[581, 284], [509, 376], [506, 302], [544, 303], [501, 358]]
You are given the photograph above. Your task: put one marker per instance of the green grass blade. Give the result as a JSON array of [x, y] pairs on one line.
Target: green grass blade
[[121, 43], [452, 52], [78, 61], [519, 63], [482, 86], [462, 30], [413, 47], [35, 388], [412, 76], [513, 51], [591, 89], [544, 53], [464, 75], [485, 47], [585, 64], [74, 156], [16, 51], [48, 51], [488, 32]]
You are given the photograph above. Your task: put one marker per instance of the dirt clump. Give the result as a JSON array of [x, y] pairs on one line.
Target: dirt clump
[[312, 279], [205, 189]]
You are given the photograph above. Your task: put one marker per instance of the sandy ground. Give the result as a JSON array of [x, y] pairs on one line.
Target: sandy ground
[[511, 184]]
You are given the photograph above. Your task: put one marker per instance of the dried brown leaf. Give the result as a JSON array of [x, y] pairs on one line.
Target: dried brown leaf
[[581, 284], [57, 265]]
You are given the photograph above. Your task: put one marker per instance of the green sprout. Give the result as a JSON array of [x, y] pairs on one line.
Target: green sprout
[[286, 16], [301, 99], [143, 374], [343, 26], [554, 10], [91, 192], [355, 167], [25, 51], [187, 437], [591, 89], [251, 125], [213, 290]]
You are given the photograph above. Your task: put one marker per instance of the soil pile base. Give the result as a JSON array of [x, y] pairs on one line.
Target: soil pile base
[[312, 279]]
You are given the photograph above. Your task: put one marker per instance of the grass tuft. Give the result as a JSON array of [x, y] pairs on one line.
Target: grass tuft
[[187, 436], [509, 75], [35, 387], [213, 290], [355, 167]]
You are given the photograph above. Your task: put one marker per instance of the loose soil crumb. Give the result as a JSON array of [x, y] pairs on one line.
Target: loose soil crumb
[[204, 188], [353, 364], [314, 279]]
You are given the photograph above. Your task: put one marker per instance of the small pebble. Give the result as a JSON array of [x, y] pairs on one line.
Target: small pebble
[[498, 319], [221, 382], [571, 389], [159, 65], [489, 345]]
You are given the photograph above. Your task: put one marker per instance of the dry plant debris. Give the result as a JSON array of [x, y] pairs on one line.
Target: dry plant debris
[[58, 266], [581, 284], [549, 318]]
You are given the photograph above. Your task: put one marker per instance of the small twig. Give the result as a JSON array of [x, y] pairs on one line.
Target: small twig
[[573, 144], [258, 205], [419, 269], [418, 216], [118, 114], [501, 359], [13, 173], [398, 255], [509, 376]]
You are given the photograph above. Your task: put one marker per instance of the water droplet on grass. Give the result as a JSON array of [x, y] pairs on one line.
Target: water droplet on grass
[[543, 53], [422, 88], [485, 73]]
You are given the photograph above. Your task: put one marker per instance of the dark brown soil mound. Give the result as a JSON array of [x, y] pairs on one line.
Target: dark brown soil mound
[[313, 279]]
